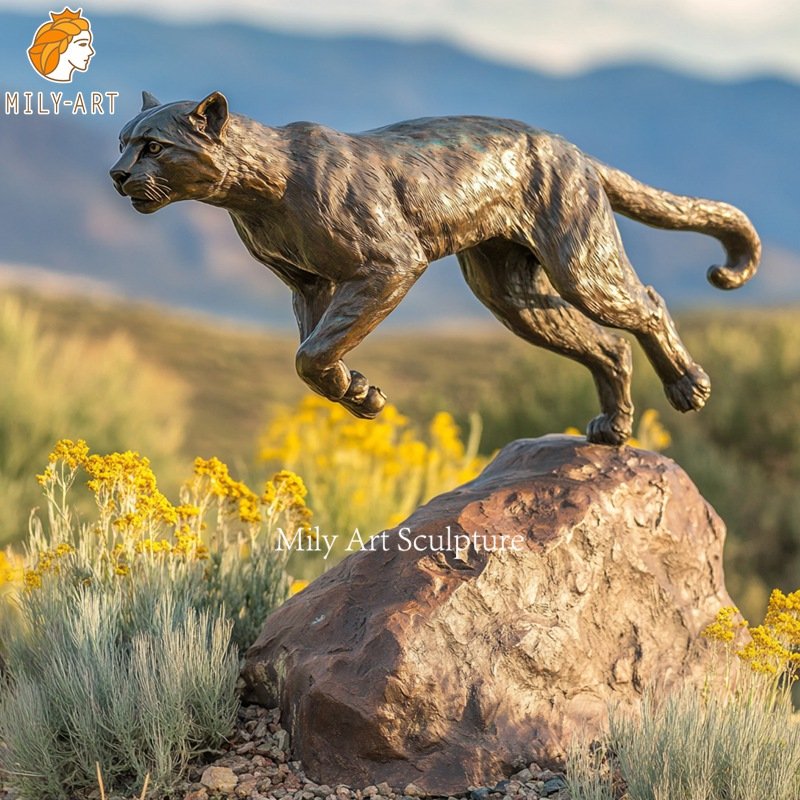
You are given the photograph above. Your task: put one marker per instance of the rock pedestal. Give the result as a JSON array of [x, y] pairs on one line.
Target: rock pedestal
[[450, 668]]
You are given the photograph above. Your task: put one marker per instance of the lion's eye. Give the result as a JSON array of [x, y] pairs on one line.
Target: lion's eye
[[154, 148], [121, 145]]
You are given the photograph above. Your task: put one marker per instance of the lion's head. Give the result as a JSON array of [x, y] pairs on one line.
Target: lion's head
[[172, 152]]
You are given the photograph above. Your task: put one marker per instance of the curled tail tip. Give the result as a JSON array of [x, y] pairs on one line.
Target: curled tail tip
[[744, 255], [730, 277]]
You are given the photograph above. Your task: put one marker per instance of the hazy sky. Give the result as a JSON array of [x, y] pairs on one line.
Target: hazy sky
[[720, 37]]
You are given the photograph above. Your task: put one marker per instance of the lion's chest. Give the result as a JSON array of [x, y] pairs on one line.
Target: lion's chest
[[266, 242], [284, 243]]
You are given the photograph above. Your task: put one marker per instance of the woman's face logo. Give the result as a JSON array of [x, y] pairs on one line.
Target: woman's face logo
[[62, 46], [79, 52]]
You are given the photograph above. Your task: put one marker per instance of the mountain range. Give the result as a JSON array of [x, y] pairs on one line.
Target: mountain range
[[60, 217]]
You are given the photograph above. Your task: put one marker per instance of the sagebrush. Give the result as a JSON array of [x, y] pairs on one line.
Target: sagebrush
[[737, 738], [123, 648]]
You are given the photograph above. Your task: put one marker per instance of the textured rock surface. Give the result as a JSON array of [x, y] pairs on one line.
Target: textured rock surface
[[427, 668], [219, 779]]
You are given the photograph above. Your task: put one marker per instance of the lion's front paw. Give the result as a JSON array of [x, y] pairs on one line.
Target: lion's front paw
[[613, 429], [691, 391], [358, 389], [361, 399]]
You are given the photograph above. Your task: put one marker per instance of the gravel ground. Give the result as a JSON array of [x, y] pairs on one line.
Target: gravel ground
[[257, 765]]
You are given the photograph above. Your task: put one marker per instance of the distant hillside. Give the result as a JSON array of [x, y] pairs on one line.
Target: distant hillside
[[735, 141]]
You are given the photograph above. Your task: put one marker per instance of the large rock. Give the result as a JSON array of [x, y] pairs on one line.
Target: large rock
[[448, 671]]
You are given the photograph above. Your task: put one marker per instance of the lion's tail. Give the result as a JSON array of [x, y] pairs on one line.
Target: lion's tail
[[676, 212]]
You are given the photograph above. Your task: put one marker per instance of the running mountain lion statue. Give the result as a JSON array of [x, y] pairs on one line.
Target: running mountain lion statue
[[350, 221]]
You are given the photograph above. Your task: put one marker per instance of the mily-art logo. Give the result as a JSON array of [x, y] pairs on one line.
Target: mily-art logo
[[62, 45], [60, 48]]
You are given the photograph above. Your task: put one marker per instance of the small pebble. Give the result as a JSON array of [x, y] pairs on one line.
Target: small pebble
[[247, 788], [553, 785], [219, 779]]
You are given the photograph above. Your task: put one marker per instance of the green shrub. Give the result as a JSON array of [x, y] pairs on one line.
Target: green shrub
[[85, 694], [736, 739], [691, 746], [123, 650]]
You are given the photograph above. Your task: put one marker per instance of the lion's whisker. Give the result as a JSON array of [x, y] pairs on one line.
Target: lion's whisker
[[159, 192]]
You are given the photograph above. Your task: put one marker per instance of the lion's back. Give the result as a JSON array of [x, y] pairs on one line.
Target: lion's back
[[450, 131], [453, 180]]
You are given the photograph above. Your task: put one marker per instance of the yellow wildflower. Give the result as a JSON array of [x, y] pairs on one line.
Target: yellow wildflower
[[186, 511], [362, 472], [297, 586], [32, 579], [223, 486], [783, 616], [124, 483], [286, 492], [11, 570], [73, 454], [153, 546], [764, 653], [723, 629], [187, 544], [650, 433], [445, 435], [46, 476], [774, 646]]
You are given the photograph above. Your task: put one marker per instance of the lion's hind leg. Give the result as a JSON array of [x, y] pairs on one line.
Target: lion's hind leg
[[582, 252], [507, 279]]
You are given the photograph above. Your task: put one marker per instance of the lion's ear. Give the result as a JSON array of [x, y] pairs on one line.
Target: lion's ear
[[149, 101], [211, 115]]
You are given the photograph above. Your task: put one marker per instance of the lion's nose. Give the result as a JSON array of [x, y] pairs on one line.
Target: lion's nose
[[119, 176]]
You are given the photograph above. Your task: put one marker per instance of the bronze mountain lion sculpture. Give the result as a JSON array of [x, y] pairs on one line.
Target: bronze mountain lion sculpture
[[350, 221]]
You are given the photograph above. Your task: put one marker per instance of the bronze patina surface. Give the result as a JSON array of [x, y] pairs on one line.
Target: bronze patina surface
[[350, 221]]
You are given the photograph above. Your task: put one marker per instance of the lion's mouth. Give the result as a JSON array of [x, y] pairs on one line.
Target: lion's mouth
[[146, 204], [145, 196]]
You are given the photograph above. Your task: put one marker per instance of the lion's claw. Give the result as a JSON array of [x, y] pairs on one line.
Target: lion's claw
[[612, 429], [361, 399], [691, 391], [358, 389]]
